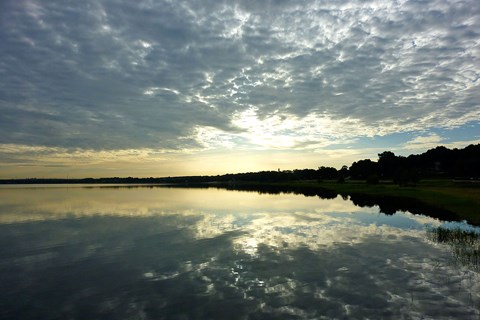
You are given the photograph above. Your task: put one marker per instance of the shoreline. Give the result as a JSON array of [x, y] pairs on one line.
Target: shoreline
[[459, 199]]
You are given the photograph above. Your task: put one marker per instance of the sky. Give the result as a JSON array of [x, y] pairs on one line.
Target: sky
[[166, 88]]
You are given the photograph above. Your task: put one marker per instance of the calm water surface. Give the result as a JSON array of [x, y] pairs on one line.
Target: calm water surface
[[69, 252]]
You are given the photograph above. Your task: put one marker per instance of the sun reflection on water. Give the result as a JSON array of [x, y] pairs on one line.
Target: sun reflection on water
[[248, 245], [298, 257]]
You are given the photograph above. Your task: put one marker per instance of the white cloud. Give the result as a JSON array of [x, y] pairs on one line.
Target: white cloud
[[423, 143], [281, 131], [270, 75]]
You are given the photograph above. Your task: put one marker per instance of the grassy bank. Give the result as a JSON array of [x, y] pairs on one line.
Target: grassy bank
[[463, 199]]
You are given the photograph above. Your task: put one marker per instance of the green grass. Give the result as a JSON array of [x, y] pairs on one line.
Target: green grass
[[463, 199]]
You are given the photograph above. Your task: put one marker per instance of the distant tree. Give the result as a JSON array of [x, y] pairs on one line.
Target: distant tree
[[467, 164], [362, 169], [390, 165], [305, 174], [342, 174], [328, 173], [386, 155]]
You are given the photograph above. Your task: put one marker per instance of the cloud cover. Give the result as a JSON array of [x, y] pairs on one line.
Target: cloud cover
[[193, 75]]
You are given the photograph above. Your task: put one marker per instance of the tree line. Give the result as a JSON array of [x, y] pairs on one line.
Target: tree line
[[439, 162]]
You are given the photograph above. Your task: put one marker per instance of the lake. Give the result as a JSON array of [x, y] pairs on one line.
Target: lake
[[99, 252]]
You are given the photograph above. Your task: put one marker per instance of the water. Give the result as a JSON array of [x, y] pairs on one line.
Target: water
[[70, 252]]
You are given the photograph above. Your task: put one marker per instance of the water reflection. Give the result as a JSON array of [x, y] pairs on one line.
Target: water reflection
[[465, 244], [215, 254], [387, 204], [60, 201]]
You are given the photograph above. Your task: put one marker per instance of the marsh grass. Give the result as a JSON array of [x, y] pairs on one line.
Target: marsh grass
[[465, 245]]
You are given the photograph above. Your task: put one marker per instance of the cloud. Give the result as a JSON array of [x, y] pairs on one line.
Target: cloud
[[292, 255], [433, 140], [179, 75], [424, 142]]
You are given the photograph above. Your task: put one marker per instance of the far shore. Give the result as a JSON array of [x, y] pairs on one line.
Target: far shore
[[459, 197]]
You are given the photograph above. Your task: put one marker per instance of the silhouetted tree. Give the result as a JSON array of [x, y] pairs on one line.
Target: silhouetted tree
[[328, 173], [436, 162], [389, 165], [362, 169]]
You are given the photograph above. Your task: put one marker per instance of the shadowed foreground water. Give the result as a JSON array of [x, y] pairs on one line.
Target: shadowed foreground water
[[157, 253]]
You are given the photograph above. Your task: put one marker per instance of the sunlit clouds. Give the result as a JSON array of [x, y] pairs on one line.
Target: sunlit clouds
[[199, 77]]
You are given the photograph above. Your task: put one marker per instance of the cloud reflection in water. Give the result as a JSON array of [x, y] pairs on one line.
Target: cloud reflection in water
[[183, 253]]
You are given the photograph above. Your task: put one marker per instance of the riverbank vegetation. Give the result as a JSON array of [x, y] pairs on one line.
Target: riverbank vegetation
[[447, 179], [465, 245]]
